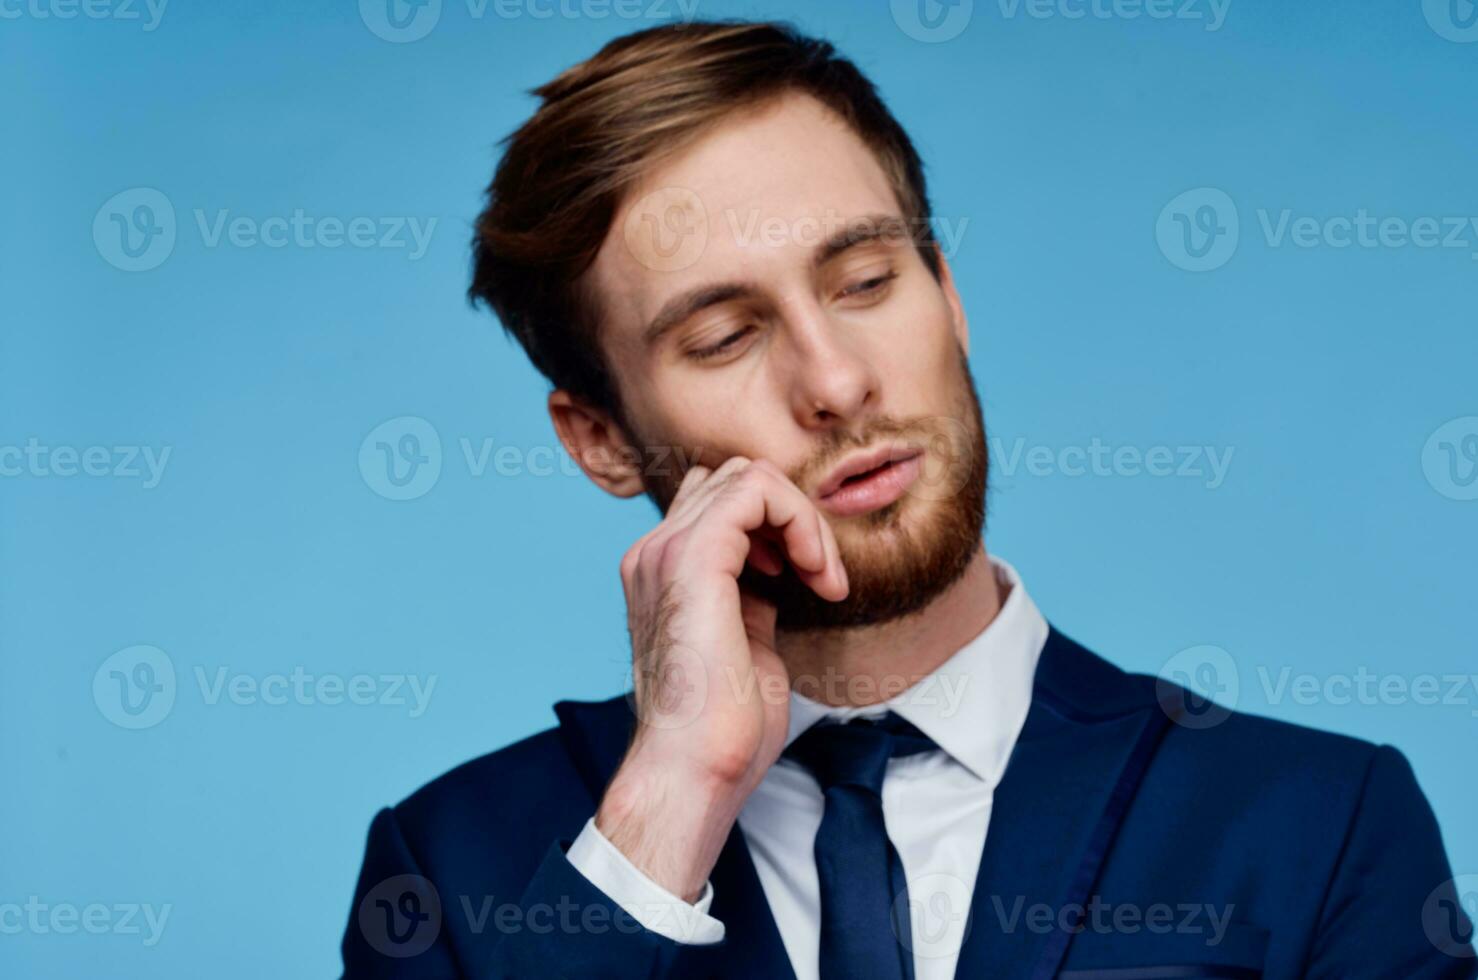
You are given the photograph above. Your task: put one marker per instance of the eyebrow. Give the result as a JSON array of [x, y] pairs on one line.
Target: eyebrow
[[859, 231]]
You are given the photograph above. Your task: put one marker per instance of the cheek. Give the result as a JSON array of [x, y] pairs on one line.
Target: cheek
[[920, 350], [706, 427]]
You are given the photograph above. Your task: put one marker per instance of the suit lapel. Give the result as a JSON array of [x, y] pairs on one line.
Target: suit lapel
[[1088, 737], [596, 735]]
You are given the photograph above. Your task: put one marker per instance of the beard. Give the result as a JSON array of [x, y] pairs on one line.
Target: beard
[[899, 557]]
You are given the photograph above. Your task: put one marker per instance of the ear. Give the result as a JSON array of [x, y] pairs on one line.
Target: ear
[[952, 297], [597, 443]]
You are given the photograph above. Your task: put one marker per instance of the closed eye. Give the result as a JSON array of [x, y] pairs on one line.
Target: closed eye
[[718, 348], [870, 285]]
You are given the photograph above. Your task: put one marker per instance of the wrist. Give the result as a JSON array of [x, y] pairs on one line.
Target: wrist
[[669, 825]]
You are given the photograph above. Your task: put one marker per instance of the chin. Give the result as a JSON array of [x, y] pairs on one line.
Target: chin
[[899, 559]]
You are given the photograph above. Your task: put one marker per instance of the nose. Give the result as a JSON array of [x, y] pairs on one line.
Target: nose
[[833, 379]]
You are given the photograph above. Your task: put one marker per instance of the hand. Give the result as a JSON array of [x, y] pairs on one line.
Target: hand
[[703, 653]]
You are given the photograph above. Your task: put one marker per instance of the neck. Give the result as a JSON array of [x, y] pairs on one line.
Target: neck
[[867, 664]]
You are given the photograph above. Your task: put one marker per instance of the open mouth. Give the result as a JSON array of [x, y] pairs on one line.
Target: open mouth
[[874, 488], [859, 477]]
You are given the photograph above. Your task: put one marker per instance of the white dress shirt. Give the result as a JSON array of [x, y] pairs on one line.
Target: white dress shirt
[[936, 804]]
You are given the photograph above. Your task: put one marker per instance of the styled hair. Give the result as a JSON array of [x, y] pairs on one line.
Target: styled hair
[[606, 121]]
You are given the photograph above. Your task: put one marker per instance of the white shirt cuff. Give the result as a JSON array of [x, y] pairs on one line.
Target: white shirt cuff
[[656, 908]]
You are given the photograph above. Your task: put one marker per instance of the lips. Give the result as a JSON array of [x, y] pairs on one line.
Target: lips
[[863, 464], [869, 479]]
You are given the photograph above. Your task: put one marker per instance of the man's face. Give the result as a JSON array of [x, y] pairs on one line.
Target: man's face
[[742, 314]]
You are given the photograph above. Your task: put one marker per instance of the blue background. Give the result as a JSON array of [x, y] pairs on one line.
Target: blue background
[[264, 548]]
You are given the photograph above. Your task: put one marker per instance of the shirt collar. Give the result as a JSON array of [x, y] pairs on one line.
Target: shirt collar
[[974, 704]]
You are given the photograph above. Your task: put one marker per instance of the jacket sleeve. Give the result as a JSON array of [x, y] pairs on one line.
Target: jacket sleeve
[[1392, 908], [402, 926]]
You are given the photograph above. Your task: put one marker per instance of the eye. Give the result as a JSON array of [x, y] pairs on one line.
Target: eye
[[703, 353], [868, 286]]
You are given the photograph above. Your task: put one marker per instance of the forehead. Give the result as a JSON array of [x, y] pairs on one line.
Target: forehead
[[750, 199]]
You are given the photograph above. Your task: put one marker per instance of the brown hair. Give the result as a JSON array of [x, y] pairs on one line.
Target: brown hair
[[601, 124]]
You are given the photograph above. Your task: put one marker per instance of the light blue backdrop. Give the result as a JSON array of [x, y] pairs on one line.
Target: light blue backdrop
[[209, 250]]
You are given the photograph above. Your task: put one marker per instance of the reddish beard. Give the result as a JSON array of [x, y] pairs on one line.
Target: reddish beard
[[897, 562]]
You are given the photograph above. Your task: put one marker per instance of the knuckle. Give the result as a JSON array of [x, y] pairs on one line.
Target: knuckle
[[732, 465], [769, 467], [671, 552], [695, 475], [629, 562], [632, 559], [754, 475]]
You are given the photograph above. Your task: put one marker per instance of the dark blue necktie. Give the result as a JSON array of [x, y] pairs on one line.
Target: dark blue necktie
[[864, 896]]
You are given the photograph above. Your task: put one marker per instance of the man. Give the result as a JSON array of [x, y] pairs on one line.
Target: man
[[855, 748]]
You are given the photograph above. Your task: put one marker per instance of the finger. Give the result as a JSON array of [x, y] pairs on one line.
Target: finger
[[764, 556], [695, 498], [834, 550], [763, 497], [791, 513], [692, 479]]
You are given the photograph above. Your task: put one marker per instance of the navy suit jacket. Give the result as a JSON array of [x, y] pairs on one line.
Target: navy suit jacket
[[1318, 853]]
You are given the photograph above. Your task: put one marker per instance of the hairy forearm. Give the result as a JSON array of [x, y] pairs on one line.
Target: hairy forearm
[[671, 826]]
